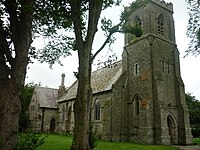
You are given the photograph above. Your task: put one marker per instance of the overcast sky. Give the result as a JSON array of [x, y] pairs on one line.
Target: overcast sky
[[189, 66]]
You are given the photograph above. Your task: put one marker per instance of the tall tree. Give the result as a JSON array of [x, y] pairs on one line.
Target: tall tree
[[15, 41], [81, 17], [193, 29]]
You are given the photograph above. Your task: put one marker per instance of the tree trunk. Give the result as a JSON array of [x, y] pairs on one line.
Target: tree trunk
[[84, 92], [9, 115], [13, 63], [82, 103]]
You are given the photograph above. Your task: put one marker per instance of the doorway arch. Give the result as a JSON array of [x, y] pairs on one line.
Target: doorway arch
[[172, 126], [52, 125]]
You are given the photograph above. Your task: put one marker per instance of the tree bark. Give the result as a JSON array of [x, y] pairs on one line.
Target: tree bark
[[81, 105], [84, 92], [13, 63], [9, 112]]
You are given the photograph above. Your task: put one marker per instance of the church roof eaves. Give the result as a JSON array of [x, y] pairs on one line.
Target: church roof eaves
[[101, 80]]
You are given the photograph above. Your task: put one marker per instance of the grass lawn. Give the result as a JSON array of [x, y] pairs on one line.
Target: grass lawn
[[196, 141], [60, 142]]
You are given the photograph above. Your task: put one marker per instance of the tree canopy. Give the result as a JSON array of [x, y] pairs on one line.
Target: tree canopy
[[194, 111], [193, 29]]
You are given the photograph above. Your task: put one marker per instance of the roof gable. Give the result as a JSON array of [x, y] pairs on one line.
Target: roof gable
[[46, 97], [101, 80]]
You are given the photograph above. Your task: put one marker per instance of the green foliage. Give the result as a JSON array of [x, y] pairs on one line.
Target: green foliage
[[196, 141], [136, 30], [53, 17], [193, 29], [194, 110], [134, 6], [25, 97], [92, 137], [29, 141]]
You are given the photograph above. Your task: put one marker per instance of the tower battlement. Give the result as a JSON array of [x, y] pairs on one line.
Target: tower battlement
[[164, 4]]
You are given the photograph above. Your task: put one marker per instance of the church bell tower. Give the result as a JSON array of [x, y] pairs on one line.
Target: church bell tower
[[157, 107]]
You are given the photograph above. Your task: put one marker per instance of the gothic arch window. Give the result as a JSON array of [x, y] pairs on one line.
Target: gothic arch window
[[136, 69], [168, 67], [63, 113], [161, 23], [137, 104], [138, 21], [163, 65], [97, 110]]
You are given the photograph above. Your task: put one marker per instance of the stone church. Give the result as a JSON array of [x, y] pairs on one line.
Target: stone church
[[140, 98]]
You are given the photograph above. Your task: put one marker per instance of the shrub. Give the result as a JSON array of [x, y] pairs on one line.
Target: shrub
[[29, 141], [196, 132]]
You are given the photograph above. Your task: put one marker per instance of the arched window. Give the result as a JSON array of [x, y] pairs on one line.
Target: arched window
[[63, 113], [163, 65], [161, 22], [136, 69], [137, 104], [168, 67], [97, 110], [138, 21]]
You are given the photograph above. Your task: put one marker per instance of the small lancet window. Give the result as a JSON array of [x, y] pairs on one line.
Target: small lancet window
[[168, 67], [161, 24], [137, 105], [163, 65], [97, 110], [136, 69], [63, 113]]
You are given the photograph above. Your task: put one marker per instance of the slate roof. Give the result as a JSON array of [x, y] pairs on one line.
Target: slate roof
[[101, 80], [46, 97]]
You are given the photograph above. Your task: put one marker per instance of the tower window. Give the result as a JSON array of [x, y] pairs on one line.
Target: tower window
[[163, 65], [137, 105], [161, 24], [136, 69], [138, 21], [168, 67], [97, 110]]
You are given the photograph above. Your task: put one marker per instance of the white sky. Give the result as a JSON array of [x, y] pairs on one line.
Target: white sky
[[189, 66]]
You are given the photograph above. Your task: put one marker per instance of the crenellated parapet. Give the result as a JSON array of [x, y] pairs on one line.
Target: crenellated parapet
[[164, 4]]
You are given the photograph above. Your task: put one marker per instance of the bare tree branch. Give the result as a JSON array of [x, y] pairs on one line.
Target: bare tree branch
[[113, 30]]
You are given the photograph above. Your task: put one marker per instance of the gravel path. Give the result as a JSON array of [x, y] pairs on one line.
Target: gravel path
[[190, 147]]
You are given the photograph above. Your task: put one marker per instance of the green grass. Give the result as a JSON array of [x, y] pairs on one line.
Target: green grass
[[129, 146], [61, 142], [56, 142], [196, 141]]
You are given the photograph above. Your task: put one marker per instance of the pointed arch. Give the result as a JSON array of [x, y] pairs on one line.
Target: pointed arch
[[138, 21], [97, 110], [136, 69], [52, 125], [168, 67], [172, 127], [161, 24], [163, 65], [136, 103]]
